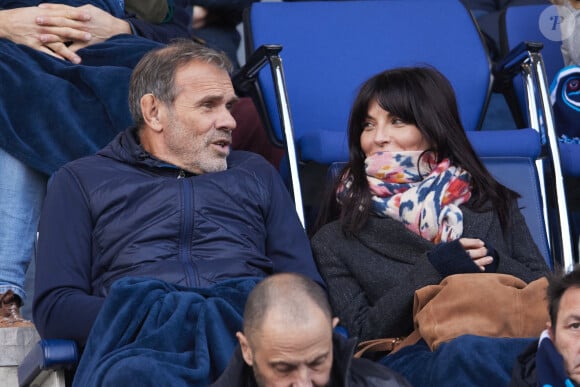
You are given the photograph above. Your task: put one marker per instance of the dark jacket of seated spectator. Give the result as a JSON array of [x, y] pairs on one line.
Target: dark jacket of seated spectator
[[346, 370], [135, 215]]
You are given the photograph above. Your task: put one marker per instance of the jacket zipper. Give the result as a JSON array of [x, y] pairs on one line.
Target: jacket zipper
[[186, 237]]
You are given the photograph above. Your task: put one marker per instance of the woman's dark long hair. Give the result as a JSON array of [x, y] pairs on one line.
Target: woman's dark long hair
[[421, 96]]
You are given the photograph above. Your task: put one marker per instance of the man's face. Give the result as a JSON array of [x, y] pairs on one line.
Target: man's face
[[283, 356], [198, 126], [566, 333]]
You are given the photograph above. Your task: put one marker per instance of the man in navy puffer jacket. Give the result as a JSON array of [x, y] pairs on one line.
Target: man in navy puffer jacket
[[164, 200]]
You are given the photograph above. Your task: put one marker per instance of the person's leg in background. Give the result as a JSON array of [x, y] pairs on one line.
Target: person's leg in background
[[22, 191]]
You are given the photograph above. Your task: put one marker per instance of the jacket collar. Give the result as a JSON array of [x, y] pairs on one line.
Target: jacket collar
[[342, 352], [126, 147], [237, 373]]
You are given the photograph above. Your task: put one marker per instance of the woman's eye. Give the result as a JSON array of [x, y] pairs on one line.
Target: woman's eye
[[367, 126]]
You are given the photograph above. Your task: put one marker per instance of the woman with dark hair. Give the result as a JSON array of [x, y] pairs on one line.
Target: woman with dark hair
[[414, 204]]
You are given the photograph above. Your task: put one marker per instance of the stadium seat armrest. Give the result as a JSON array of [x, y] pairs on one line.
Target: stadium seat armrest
[[47, 355], [246, 76], [506, 68]]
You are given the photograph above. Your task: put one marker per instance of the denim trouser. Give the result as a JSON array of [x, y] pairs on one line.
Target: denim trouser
[[22, 191]]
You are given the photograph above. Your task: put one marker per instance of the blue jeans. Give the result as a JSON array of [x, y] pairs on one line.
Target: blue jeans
[[22, 191]]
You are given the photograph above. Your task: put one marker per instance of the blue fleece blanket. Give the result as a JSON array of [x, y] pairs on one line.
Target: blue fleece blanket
[[53, 111], [151, 333], [465, 361]]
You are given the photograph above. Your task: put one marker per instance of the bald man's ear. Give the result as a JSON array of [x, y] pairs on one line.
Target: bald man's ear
[[153, 112], [246, 350], [335, 321]]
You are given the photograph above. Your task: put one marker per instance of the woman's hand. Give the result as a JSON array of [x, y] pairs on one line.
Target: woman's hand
[[477, 251]]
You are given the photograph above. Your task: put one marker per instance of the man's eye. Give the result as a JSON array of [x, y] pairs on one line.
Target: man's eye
[[315, 365], [317, 362], [283, 369]]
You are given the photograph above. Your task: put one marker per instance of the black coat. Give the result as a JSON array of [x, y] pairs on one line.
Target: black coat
[[372, 278], [524, 372], [346, 370]]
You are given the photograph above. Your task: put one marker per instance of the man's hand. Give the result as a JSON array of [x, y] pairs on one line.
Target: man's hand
[[26, 26], [199, 17], [477, 251], [95, 22]]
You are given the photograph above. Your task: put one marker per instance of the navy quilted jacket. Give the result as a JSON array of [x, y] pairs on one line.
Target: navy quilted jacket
[[124, 213]]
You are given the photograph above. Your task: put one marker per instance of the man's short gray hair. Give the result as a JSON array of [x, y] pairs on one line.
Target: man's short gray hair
[[155, 72]]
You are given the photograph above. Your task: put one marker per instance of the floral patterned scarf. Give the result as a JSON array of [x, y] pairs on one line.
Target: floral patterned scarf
[[424, 196]]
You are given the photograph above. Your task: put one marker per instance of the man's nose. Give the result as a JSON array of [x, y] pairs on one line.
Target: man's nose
[[303, 379], [227, 120]]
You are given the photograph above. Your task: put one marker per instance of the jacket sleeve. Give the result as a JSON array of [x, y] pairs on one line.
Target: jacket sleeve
[[521, 258], [287, 244], [378, 305], [63, 304], [451, 258], [176, 28]]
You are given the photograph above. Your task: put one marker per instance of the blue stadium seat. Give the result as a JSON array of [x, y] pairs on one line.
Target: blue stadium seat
[[330, 48]]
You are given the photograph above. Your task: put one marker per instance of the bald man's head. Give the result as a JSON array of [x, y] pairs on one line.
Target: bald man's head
[[288, 331], [290, 296]]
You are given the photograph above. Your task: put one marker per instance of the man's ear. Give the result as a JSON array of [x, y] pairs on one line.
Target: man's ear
[[246, 350], [153, 112], [335, 321], [550, 331]]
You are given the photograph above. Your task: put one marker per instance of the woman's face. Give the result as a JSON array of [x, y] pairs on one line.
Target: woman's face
[[383, 132]]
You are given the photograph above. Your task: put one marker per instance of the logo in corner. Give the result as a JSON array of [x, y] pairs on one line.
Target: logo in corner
[[556, 23]]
